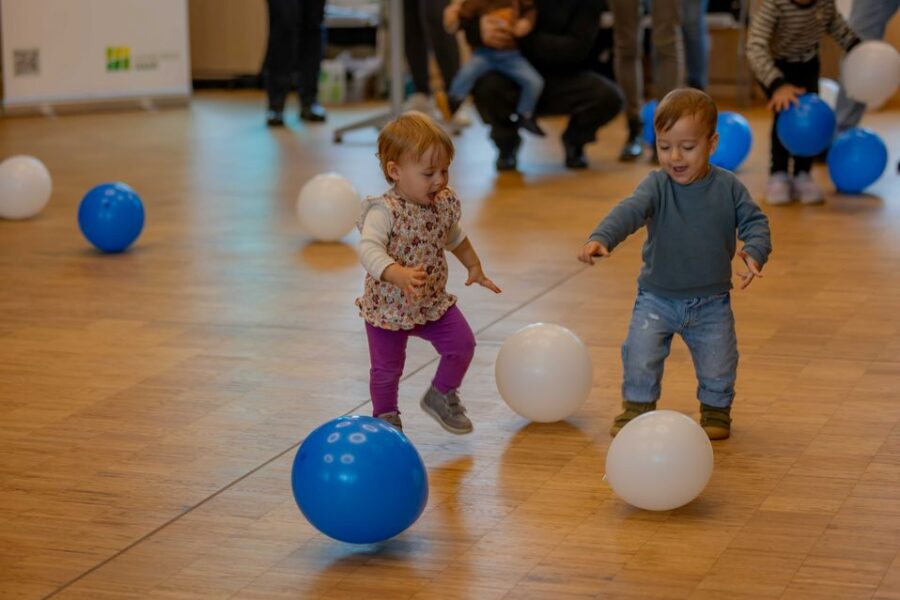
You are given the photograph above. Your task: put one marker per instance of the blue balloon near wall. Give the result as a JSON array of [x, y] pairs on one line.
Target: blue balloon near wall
[[735, 140], [359, 480], [648, 111], [856, 160], [111, 216], [806, 129]]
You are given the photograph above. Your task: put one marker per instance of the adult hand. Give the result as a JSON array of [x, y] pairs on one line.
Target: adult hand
[[496, 33]]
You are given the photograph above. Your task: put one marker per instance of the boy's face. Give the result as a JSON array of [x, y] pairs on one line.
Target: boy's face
[[420, 181], [684, 150]]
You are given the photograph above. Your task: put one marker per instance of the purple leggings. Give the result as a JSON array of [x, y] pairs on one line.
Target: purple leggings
[[450, 335]]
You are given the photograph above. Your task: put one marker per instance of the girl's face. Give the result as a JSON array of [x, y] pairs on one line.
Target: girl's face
[[420, 181], [684, 150]]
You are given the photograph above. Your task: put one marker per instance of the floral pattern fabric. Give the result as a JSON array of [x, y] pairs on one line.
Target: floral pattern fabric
[[418, 237]]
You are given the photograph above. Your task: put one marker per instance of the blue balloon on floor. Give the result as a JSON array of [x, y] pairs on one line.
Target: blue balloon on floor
[[735, 140], [648, 111], [359, 480], [806, 129], [111, 216], [856, 160]]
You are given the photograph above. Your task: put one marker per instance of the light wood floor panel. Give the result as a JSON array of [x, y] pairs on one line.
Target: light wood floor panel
[[151, 402]]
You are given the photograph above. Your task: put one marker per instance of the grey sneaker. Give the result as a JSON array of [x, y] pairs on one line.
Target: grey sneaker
[[393, 418], [446, 410]]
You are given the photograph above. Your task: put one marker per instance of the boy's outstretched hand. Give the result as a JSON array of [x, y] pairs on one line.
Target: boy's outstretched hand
[[476, 275], [590, 250], [784, 96], [752, 269]]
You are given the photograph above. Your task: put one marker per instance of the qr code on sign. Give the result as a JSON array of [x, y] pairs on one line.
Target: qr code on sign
[[26, 62]]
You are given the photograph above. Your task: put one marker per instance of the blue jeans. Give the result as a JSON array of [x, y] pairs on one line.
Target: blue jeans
[[707, 327], [508, 62], [696, 42], [868, 18]]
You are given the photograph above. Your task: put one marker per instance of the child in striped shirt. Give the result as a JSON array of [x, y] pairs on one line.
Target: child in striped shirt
[[783, 50]]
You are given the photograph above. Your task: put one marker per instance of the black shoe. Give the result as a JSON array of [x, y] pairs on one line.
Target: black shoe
[[506, 161], [274, 118], [527, 123], [575, 156], [314, 113]]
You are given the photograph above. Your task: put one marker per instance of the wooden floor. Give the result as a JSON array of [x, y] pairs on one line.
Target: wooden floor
[[151, 403]]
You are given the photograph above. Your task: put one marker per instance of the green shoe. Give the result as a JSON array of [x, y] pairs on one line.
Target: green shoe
[[715, 421], [632, 410]]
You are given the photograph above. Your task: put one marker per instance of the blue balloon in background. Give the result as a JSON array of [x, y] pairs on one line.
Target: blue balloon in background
[[648, 111], [856, 160], [808, 128], [359, 480], [735, 140], [111, 216]]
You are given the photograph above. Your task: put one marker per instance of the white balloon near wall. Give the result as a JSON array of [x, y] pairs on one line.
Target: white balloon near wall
[[544, 372], [871, 73], [659, 461], [25, 187], [828, 91], [327, 207]]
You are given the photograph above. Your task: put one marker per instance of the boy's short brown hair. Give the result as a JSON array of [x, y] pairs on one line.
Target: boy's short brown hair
[[686, 101], [412, 134]]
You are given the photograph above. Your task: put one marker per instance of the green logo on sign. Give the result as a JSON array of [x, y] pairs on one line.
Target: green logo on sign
[[118, 58]]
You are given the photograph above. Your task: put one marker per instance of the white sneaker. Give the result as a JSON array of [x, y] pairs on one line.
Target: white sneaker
[[806, 190], [778, 189]]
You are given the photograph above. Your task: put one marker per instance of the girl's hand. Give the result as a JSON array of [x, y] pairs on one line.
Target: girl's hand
[[784, 96], [408, 279], [590, 250], [476, 275], [753, 269]]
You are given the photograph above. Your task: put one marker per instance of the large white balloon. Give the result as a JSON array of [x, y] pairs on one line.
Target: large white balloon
[[544, 372], [659, 461], [328, 207], [828, 91], [25, 187], [871, 73]]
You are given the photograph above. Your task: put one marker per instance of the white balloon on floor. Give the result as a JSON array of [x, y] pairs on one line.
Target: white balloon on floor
[[327, 207], [871, 73], [544, 372], [828, 91], [659, 461], [25, 187]]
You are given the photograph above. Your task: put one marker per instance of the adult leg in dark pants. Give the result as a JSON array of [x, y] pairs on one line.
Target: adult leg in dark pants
[[589, 99], [310, 48], [423, 31], [295, 38]]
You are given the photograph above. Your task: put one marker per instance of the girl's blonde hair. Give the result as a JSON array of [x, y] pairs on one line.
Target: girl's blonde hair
[[412, 134]]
